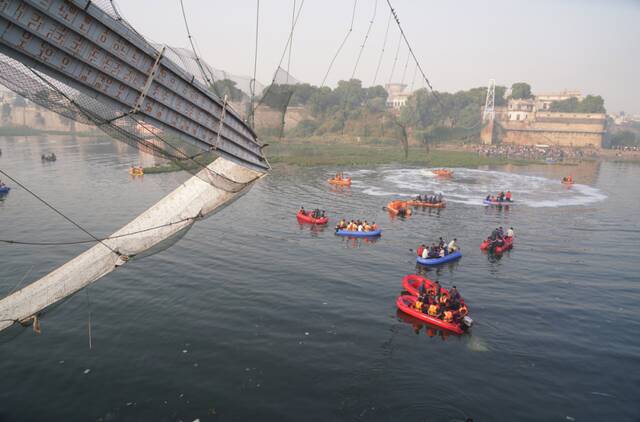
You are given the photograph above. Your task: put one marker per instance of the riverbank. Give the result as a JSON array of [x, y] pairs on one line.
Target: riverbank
[[338, 154]]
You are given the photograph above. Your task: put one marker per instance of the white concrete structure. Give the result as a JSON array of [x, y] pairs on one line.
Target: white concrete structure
[[398, 95]]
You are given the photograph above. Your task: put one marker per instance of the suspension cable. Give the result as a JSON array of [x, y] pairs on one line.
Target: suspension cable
[[395, 59], [60, 213], [384, 44], [284, 52], [293, 18], [353, 15], [404, 71], [366, 37], [193, 47], [255, 64], [424, 76]]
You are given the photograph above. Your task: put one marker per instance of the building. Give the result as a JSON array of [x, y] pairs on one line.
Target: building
[[528, 122], [543, 101], [398, 95]]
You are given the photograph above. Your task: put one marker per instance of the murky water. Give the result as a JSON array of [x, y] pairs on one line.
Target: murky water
[[252, 316]]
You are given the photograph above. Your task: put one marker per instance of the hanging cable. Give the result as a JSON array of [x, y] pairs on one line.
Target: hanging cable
[[413, 79], [384, 44], [353, 15], [255, 65], [404, 71], [284, 52], [78, 242], [366, 37], [35, 195], [193, 48], [395, 59], [293, 18], [426, 80]]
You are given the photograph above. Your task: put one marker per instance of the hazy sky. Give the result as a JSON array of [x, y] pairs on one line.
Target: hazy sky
[[590, 45]]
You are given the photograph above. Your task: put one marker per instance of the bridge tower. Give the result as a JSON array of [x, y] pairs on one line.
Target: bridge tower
[[489, 114]]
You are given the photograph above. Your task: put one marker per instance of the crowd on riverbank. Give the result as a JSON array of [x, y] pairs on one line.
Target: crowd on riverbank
[[532, 152]]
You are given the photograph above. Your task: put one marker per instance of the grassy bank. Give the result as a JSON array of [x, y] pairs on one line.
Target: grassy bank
[[307, 154]]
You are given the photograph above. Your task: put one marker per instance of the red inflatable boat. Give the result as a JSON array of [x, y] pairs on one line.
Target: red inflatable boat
[[412, 282], [407, 305], [508, 244], [306, 218]]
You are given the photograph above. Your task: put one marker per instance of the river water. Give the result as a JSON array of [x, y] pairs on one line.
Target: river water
[[253, 316]]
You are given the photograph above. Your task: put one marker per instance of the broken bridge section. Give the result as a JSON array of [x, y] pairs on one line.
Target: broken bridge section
[[109, 66]]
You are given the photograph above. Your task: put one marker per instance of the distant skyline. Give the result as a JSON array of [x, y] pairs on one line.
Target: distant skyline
[[589, 45]]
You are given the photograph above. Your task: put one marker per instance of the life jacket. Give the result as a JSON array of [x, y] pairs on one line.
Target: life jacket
[[418, 305], [443, 299], [433, 310], [448, 316], [463, 310], [419, 251]]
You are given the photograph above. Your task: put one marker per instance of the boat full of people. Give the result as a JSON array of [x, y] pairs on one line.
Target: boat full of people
[[4, 189], [357, 228], [430, 302], [428, 201], [340, 179], [400, 208], [501, 199], [442, 172], [313, 217], [498, 241], [136, 170], [439, 253], [48, 157]]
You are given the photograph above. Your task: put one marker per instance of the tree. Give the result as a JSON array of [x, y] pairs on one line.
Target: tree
[[592, 104], [227, 87], [624, 138], [520, 90]]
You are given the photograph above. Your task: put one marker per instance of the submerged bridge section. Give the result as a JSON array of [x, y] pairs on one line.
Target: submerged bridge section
[[111, 74]]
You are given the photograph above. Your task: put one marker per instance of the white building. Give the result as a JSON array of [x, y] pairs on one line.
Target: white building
[[398, 95]]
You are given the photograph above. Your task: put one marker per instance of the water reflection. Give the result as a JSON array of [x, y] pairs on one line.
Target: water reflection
[[429, 329], [357, 242], [438, 270]]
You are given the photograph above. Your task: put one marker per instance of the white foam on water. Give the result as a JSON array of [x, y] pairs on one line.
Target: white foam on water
[[471, 186]]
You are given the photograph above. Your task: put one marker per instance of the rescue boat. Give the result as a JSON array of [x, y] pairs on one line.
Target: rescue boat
[[307, 218], [508, 244]]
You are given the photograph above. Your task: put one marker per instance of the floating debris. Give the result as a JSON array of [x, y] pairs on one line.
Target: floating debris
[[86, 371]]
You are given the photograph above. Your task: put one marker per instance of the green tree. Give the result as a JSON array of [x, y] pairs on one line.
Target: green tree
[[227, 87], [520, 90], [624, 138], [592, 104]]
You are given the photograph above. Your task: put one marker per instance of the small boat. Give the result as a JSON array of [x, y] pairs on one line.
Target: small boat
[[399, 208], [4, 189], [307, 218], [340, 182], [412, 282], [437, 261], [504, 203], [508, 244], [407, 305], [567, 181], [415, 203], [136, 171], [442, 172], [350, 233]]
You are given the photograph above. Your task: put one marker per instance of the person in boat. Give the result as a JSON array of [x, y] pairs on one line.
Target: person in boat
[[453, 245], [341, 224], [454, 296], [360, 226], [437, 289], [441, 253], [419, 251], [447, 316], [508, 196], [488, 198], [441, 243], [426, 253], [300, 211], [433, 310], [510, 232], [462, 310], [439, 198], [374, 226]]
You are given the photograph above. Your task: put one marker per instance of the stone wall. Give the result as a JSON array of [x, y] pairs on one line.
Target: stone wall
[[566, 129]]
